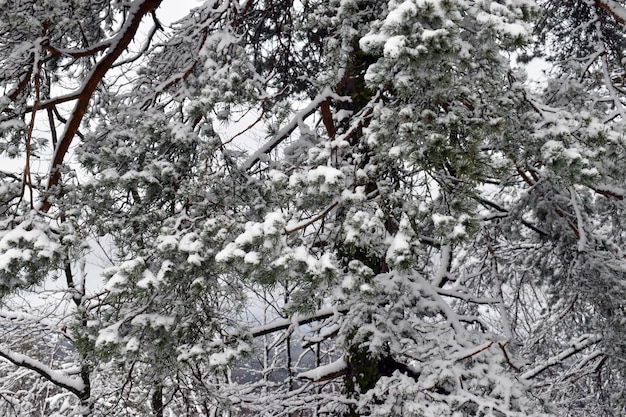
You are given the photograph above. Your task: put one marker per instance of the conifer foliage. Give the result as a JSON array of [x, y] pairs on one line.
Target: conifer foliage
[[312, 208]]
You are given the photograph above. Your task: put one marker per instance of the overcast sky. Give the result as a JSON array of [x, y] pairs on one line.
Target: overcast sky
[[172, 10]]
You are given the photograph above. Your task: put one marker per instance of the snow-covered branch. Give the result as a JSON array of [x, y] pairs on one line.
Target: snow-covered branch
[[58, 378], [582, 235], [286, 130], [326, 372], [577, 346], [297, 320], [615, 9], [118, 45]]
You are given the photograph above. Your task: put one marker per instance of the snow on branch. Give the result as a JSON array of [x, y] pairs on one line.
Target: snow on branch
[[451, 317], [286, 130], [78, 53], [23, 317], [579, 345], [58, 378], [326, 372], [610, 191], [297, 321], [118, 45], [473, 352], [582, 237], [461, 295], [614, 9]]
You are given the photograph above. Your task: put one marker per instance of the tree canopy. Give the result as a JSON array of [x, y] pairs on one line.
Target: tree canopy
[[313, 208]]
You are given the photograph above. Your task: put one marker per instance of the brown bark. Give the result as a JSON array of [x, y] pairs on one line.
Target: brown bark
[[613, 9], [118, 45]]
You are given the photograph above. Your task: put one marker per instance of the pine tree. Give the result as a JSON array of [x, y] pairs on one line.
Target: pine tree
[[413, 229]]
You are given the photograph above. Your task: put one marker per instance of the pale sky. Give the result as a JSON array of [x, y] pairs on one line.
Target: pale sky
[[172, 10]]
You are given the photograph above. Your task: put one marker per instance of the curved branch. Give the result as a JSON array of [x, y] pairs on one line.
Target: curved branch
[[307, 222], [58, 378], [84, 53], [119, 43]]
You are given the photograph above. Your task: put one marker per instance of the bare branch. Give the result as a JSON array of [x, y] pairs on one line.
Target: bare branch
[[310, 220], [326, 372], [475, 352]]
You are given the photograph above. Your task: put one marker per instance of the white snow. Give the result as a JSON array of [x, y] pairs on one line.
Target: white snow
[[501, 25], [429, 34], [166, 243], [132, 345], [153, 320], [274, 223], [366, 288], [458, 231], [147, 281], [187, 352], [116, 283], [324, 371], [514, 29], [401, 13], [329, 175], [440, 218], [108, 335], [277, 176], [252, 258], [229, 252], [195, 259], [190, 242], [12, 245], [253, 230], [370, 42], [57, 377], [399, 248], [393, 46]]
